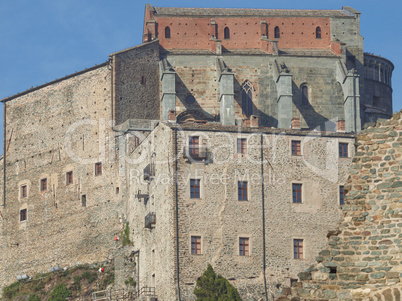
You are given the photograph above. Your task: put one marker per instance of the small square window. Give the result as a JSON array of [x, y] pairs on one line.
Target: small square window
[[69, 178], [242, 191], [84, 200], [298, 248], [297, 193], [98, 169], [196, 245], [241, 145], [341, 196], [343, 150], [43, 184], [244, 246], [296, 148], [24, 191], [194, 189], [23, 215]]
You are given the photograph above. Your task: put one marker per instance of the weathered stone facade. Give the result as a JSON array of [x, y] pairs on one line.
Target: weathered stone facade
[[362, 260], [87, 153]]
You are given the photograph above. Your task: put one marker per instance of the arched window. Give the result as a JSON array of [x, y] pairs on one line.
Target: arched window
[[167, 32], [318, 32], [277, 34], [304, 90], [247, 99], [226, 33]]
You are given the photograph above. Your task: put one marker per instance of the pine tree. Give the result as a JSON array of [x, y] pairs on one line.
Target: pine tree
[[212, 287]]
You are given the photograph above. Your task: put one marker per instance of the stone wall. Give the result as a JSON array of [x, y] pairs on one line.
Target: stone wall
[[362, 260], [50, 131], [136, 83]]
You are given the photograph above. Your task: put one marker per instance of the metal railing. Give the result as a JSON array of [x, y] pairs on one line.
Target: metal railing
[[196, 153], [147, 291]]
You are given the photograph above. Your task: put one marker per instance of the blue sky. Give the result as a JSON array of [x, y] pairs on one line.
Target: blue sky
[[43, 40]]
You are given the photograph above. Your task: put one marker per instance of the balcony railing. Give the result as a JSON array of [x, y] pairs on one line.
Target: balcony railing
[[196, 153], [140, 196], [149, 171], [150, 219]]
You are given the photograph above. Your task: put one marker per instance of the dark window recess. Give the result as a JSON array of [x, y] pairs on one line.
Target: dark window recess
[[143, 81], [24, 191], [227, 33], [242, 191], [195, 245], [98, 169], [277, 33], [241, 145], [195, 151], [23, 215], [292, 281], [343, 150], [351, 62], [297, 193], [296, 148], [150, 220], [318, 32], [149, 171], [117, 190], [304, 91], [376, 101], [195, 189], [332, 270], [167, 32], [247, 99], [298, 248], [69, 178], [244, 246], [43, 184], [341, 195], [83, 200]]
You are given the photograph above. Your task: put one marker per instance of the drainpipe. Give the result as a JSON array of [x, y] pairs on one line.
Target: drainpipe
[[263, 217], [177, 217]]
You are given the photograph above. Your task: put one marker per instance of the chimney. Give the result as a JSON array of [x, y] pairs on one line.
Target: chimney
[[172, 116], [296, 123], [340, 126], [254, 121]]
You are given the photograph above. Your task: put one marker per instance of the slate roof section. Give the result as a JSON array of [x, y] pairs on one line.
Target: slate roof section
[[242, 12]]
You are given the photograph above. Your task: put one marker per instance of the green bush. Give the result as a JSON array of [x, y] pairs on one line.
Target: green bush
[[89, 276], [12, 290], [33, 298], [60, 293], [212, 287], [125, 236]]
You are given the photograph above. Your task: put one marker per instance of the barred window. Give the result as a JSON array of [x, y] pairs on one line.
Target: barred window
[[242, 191], [98, 169], [196, 245], [241, 145], [43, 184], [343, 150], [297, 193], [194, 189], [298, 248], [296, 148], [69, 178], [244, 246]]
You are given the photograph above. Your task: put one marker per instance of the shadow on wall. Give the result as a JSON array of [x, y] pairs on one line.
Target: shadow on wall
[[183, 93], [313, 119]]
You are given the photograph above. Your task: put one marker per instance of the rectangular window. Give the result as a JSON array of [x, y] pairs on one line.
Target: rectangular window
[[241, 145], [98, 169], [244, 246], [43, 184], [84, 200], [193, 146], [24, 191], [23, 215], [296, 148], [297, 193], [195, 245], [343, 150], [242, 191], [298, 248], [194, 189], [341, 196], [69, 178]]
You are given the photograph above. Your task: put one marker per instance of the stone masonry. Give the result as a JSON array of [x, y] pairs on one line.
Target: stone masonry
[[362, 260]]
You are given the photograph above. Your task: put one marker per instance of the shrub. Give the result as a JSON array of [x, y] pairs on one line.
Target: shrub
[[12, 290], [89, 276], [33, 298], [125, 236], [212, 287], [60, 293]]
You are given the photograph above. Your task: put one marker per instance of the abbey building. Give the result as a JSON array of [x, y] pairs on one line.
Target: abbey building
[[226, 137]]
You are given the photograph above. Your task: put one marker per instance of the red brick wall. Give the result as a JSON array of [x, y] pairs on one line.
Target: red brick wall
[[195, 33]]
